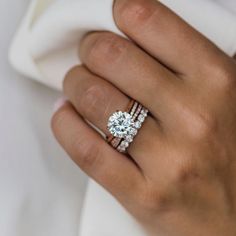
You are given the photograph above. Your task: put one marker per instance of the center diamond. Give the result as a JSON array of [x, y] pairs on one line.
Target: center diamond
[[120, 124]]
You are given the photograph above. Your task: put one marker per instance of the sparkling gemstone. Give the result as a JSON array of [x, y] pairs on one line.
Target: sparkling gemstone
[[129, 138], [124, 144], [141, 118], [133, 132], [120, 124], [143, 112], [137, 124], [121, 148]]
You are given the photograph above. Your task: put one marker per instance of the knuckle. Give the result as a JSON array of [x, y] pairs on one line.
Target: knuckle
[[186, 173], [228, 84], [206, 126], [71, 76], [223, 73], [153, 201], [93, 101], [226, 80], [135, 13], [58, 119], [202, 125], [107, 49], [88, 154]]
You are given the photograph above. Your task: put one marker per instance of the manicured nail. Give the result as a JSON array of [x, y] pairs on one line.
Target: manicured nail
[[59, 103]]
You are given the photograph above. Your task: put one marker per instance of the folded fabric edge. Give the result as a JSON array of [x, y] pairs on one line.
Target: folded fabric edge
[[19, 55]]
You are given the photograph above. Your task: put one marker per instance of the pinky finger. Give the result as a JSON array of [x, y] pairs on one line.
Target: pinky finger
[[119, 175]]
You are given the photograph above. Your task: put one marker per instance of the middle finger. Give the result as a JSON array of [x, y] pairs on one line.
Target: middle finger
[[132, 71]]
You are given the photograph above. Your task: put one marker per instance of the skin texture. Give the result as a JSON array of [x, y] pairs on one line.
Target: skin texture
[[179, 177]]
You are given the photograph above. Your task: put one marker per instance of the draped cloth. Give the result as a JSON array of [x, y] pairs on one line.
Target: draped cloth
[[45, 47]]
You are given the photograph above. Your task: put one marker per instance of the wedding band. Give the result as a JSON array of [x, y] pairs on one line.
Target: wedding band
[[124, 126]]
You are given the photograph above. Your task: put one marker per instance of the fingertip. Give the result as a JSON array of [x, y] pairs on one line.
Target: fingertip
[[59, 103]]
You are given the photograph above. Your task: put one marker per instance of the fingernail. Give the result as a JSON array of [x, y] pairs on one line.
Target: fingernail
[[59, 103]]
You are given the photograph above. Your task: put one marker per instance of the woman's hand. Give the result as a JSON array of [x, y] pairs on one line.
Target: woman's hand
[[180, 179]]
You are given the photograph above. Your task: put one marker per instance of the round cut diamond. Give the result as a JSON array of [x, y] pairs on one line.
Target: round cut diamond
[[133, 131], [120, 124], [138, 124], [144, 112], [124, 144], [129, 138], [141, 118]]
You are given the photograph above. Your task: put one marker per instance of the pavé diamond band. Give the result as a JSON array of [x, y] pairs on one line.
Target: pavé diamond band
[[124, 126]]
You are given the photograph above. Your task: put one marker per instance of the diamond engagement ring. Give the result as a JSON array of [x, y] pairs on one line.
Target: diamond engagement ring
[[124, 126]]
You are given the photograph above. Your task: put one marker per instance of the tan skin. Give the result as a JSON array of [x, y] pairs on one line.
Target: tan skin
[[179, 177]]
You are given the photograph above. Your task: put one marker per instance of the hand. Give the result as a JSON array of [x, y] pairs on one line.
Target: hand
[[179, 177]]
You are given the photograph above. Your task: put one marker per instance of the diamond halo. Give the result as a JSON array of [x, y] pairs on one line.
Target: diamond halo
[[124, 126], [121, 124]]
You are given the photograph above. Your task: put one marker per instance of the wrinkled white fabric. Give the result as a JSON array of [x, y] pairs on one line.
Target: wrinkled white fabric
[[44, 48], [41, 190]]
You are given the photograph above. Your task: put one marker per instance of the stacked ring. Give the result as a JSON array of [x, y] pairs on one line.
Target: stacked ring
[[124, 126]]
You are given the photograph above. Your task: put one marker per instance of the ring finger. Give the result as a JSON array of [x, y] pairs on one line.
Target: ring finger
[[96, 99]]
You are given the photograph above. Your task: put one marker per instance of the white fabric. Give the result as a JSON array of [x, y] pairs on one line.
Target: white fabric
[[41, 191], [229, 5], [45, 47], [103, 216]]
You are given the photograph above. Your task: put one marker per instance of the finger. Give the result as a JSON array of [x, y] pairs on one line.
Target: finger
[[117, 174], [93, 97], [131, 70], [164, 35], [96, 100]]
